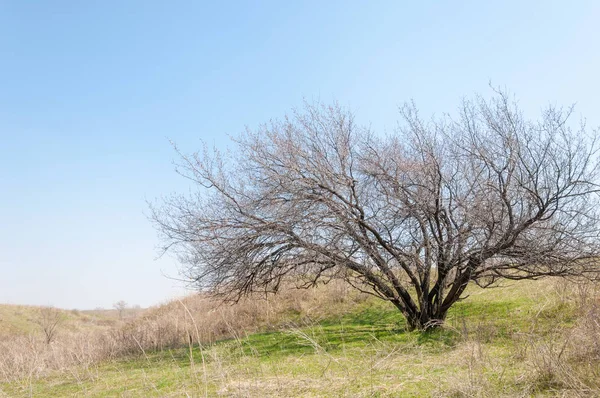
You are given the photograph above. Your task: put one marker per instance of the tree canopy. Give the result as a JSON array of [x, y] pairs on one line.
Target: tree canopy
[[411, 217]]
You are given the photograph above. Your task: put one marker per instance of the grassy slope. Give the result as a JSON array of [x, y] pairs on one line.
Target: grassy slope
[[16, 319], [21, 319], [365, 352]]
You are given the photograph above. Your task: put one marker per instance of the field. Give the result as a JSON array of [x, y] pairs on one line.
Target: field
[[22, 319], [531, 338]]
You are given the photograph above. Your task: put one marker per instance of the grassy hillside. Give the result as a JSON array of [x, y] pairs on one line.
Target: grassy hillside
[[17, 319], [22, 319], [526, 339]]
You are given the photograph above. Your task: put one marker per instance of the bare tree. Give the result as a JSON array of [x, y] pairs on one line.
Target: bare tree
[[49, 319], [120, 306], [411, 218]]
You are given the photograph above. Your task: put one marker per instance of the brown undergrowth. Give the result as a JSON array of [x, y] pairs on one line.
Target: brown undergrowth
[[177, 323]]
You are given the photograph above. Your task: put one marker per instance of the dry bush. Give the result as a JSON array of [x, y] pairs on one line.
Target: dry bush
[[180, 323], [49, 320], [203, 319], [558, 358], [570, 359]]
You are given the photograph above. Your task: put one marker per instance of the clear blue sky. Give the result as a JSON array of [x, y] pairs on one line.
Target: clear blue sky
[[91, 92]]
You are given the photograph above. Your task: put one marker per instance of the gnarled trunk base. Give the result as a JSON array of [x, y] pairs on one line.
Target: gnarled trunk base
[[424, 321]]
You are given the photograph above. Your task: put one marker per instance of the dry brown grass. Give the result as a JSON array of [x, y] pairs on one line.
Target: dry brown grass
[[569, 359], [555, 351], [196, 318], [559, 361]]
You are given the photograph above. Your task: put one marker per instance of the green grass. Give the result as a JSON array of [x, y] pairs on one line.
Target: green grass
[[364, 352]]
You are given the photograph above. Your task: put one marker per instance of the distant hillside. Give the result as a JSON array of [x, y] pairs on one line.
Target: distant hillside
[[22, 319]]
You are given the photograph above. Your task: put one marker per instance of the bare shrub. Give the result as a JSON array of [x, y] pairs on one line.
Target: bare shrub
[[120, 306], [49, 319]]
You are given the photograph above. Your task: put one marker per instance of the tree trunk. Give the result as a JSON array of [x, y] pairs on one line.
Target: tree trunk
[[426, 320], [428, 315]]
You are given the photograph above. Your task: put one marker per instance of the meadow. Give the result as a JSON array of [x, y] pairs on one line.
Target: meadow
[[524, 339]]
